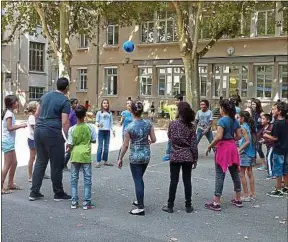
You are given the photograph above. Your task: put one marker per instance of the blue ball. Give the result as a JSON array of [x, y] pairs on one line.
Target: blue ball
[[128, 46]]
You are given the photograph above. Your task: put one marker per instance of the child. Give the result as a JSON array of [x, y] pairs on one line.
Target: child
[[80, 137], [227, 156], [178, 98], [204, 121], [152, 111], [104, 121], [126, 117], [247, 151], [267, 128], [9, 128], [279, 136], [184, 155], [140, 134]]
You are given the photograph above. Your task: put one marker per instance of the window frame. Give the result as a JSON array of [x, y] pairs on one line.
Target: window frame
[[37, 52], [114, 26], [280, 76], [266, 22], [106, 75], [82, 79], [83, 41], [36, 93], [146, 82], [256, 73]]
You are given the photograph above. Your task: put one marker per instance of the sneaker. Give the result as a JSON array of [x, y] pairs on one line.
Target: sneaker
[[236, 203], [262, 168], [213, 206], [97, 165], [60, 197], [245, 199], [189, 209], [30, 180], [88, 206], [285, 190], [135, 203], [270, 177], [276, 193], [252, 198], [35, 196], [167, 209], [108, 164], [137, 211], [74, 204], [166, 158]]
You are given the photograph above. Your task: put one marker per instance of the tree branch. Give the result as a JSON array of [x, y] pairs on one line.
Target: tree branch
[[74, 23], [38, 7], [197, 29], [11, 36]]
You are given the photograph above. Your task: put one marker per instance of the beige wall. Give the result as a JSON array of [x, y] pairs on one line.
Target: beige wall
[[127, 73]]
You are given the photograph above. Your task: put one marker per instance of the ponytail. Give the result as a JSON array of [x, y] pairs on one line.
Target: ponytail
[[251, 123], [3, 113]]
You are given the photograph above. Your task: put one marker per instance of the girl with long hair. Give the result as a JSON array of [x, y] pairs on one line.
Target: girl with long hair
[[104, 122], [227, 156], [139, 134], [247, 151], [256, 114], [9, 128], [184, 154]]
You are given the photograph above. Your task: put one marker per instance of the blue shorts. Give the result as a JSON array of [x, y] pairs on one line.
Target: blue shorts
[[7, 146], [280, 166], [246, 161], [31, 143]]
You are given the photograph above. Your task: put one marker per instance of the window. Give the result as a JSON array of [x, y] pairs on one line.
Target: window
[[112, 34], [162, 29], [264, 78], [283, 77], [82, 79], [83, 41], [111, 77], [203, 80], [284, 29], [145, 78], [36, 56], [35, 93], [266, 22], [226, 79], [171, 81]]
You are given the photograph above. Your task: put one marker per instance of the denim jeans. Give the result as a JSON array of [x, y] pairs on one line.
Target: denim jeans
[[87, 174], [209, 135], [220, 177], [138, 171], [168, 149], [103, 139], [49, 147], [174, 179]]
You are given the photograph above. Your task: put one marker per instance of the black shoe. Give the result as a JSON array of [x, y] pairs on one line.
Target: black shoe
[[35, 196], [60, 197], [189, 209], [167, 209], [137, 211], [135, 203]]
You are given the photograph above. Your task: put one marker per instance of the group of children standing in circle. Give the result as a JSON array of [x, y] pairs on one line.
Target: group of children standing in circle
[[238, 138]]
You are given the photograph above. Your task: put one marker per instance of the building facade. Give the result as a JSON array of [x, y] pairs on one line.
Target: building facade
[[25, 67], [255, 62]]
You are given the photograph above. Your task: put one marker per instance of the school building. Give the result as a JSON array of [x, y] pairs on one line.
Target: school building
[[255, 62]]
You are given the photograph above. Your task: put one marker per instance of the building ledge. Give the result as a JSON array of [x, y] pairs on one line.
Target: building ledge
[[140, 45], [110, 47], [82, 49], [109, 96], [42, 73], [82, 91]]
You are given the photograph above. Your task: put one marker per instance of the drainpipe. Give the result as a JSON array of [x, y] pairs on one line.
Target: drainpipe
[[97, 60]]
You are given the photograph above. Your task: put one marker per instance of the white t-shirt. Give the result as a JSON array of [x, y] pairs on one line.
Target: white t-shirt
[[8, 136], [204, 118], [30, 123]]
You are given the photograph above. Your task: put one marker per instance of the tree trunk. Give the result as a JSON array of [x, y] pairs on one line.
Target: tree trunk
[[64, 54]]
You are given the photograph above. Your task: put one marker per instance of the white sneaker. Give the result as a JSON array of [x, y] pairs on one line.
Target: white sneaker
[[97, 165], [245, 199]]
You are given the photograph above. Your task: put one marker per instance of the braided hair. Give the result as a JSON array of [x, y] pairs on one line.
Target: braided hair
[[228, 106], [137, 108]]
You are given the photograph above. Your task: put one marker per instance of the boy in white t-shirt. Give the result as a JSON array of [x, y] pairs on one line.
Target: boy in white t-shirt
[[31, 109]]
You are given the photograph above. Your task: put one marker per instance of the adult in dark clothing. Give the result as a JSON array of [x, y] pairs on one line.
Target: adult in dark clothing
[[53, 116]]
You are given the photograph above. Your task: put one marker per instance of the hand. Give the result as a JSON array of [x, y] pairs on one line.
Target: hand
[[120, 163], [113, 133], [149, 142], [23, 125], [208, 150], [204, 131], [194, 165], [67, 148], [265, 135]]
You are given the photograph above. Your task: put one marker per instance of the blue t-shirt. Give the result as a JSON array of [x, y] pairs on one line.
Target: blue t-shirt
[[229, 125], [105, 119], [127, 119], [52, 105], [250, 150], [139, 131]]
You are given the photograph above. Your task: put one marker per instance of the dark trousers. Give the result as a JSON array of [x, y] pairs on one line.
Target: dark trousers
[[51, 148], [138, 171], [174, 179], [220, 177], [259, 150]]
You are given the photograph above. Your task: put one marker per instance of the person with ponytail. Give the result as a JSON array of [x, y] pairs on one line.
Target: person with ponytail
[[227, 156], [9, 128], [140, 134], [247, 151]]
